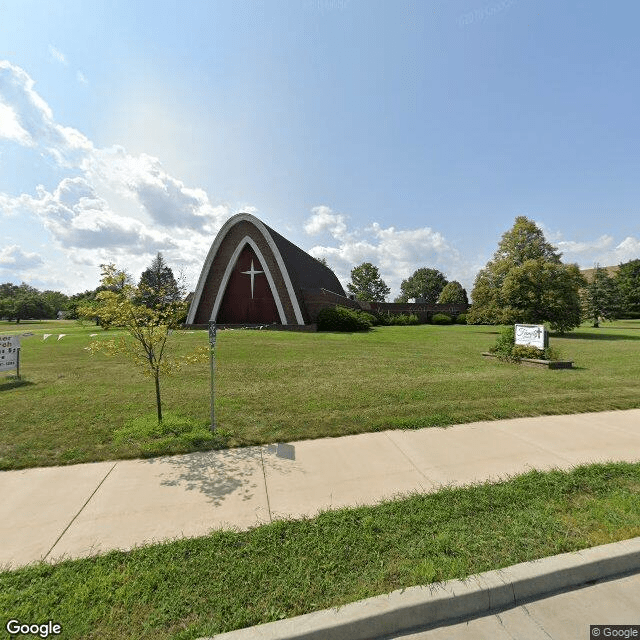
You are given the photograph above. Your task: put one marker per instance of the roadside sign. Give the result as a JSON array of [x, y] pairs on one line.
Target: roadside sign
[[9, 353], [533, 335]]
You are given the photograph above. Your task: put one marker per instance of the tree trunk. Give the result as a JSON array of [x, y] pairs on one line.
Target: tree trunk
[[158, 403]]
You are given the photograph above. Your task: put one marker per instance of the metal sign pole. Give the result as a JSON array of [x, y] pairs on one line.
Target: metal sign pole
[[18, 364], [212, 358]]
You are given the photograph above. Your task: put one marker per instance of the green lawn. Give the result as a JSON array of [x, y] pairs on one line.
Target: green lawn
[[282, 386], [193, 588]]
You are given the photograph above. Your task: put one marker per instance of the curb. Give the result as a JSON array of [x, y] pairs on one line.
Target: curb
[[441, 603]]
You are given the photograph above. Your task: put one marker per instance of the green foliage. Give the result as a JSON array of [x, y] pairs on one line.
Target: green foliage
[[425, 285], [372, 319], [461, 318], [403, 319], [453, 293], [366, 283], [174, 433], [504, 342], [342, 319], [628, 281], [441, 318], [526, 351], [600, 297], [526, 282], [506, 349], [119, 304], [158, 286], [20, 302]]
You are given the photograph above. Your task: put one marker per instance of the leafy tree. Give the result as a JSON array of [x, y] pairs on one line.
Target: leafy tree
[[453, 293], [600, 297], [537, 291], [148, 327], [366, 283], [628, 280], [56, 300], [24, 301], [526, 281], [158, 285], [425, 285]]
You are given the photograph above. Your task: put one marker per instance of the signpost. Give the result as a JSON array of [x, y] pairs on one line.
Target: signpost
[[532, 335], [10, 354], [212, 358]]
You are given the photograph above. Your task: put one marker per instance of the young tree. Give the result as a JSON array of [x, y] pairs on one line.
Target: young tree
[[525, 281], [453, 293], [366, 283], [600, 297], [158, 285], [425, 284], [148, 327], [628, 281]]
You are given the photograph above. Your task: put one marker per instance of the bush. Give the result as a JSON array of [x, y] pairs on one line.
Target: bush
[[461, 318], [342, 319], [504, 343], [506, 349], [373, 321], [403, 319], [441, 318], [520, 351]]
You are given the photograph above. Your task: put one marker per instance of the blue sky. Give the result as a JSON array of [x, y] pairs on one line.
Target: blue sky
[[407, 134]]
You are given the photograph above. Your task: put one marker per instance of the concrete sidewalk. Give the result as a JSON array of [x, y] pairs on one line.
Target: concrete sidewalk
[[59, 512]]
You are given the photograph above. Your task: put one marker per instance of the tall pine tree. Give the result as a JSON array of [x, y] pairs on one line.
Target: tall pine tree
[[158, 286]]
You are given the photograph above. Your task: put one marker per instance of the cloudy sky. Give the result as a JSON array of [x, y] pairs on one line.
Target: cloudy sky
[[404, 133]]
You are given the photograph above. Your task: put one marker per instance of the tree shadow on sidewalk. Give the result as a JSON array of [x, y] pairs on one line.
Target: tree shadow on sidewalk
[[219, 474]]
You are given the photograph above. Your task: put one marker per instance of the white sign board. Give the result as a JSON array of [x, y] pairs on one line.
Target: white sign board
[[531, 335], [9, 346]]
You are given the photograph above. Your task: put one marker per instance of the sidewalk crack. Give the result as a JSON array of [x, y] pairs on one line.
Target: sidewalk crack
[[266, 489], [408, 458], [79, 511]]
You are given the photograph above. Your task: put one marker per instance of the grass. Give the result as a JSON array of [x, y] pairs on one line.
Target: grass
[[199, 587], [282, 386]]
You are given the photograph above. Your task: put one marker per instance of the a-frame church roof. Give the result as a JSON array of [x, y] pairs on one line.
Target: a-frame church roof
[[253, 275]]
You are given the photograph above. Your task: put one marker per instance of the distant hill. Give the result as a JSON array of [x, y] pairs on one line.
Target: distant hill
[[588, 273]]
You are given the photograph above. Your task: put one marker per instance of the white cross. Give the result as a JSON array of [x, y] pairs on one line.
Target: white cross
[[252, 272]]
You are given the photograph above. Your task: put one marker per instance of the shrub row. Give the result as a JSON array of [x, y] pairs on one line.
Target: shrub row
[[344, 319]]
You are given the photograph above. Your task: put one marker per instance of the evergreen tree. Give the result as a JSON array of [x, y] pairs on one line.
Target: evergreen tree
[[628, 281], [158, 286], [600, 297]]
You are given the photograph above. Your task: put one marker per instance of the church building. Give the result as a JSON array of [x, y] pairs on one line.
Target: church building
[[252, 275]]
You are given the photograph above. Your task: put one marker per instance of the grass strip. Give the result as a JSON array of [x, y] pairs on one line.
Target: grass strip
[[197, 587], [276, 386]]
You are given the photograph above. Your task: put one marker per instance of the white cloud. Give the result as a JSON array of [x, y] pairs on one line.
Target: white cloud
[[396, 252], [57, 55], [10, 126], [323, 219], [81, 78], [603, 250], [14, 259], [155, 210]]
